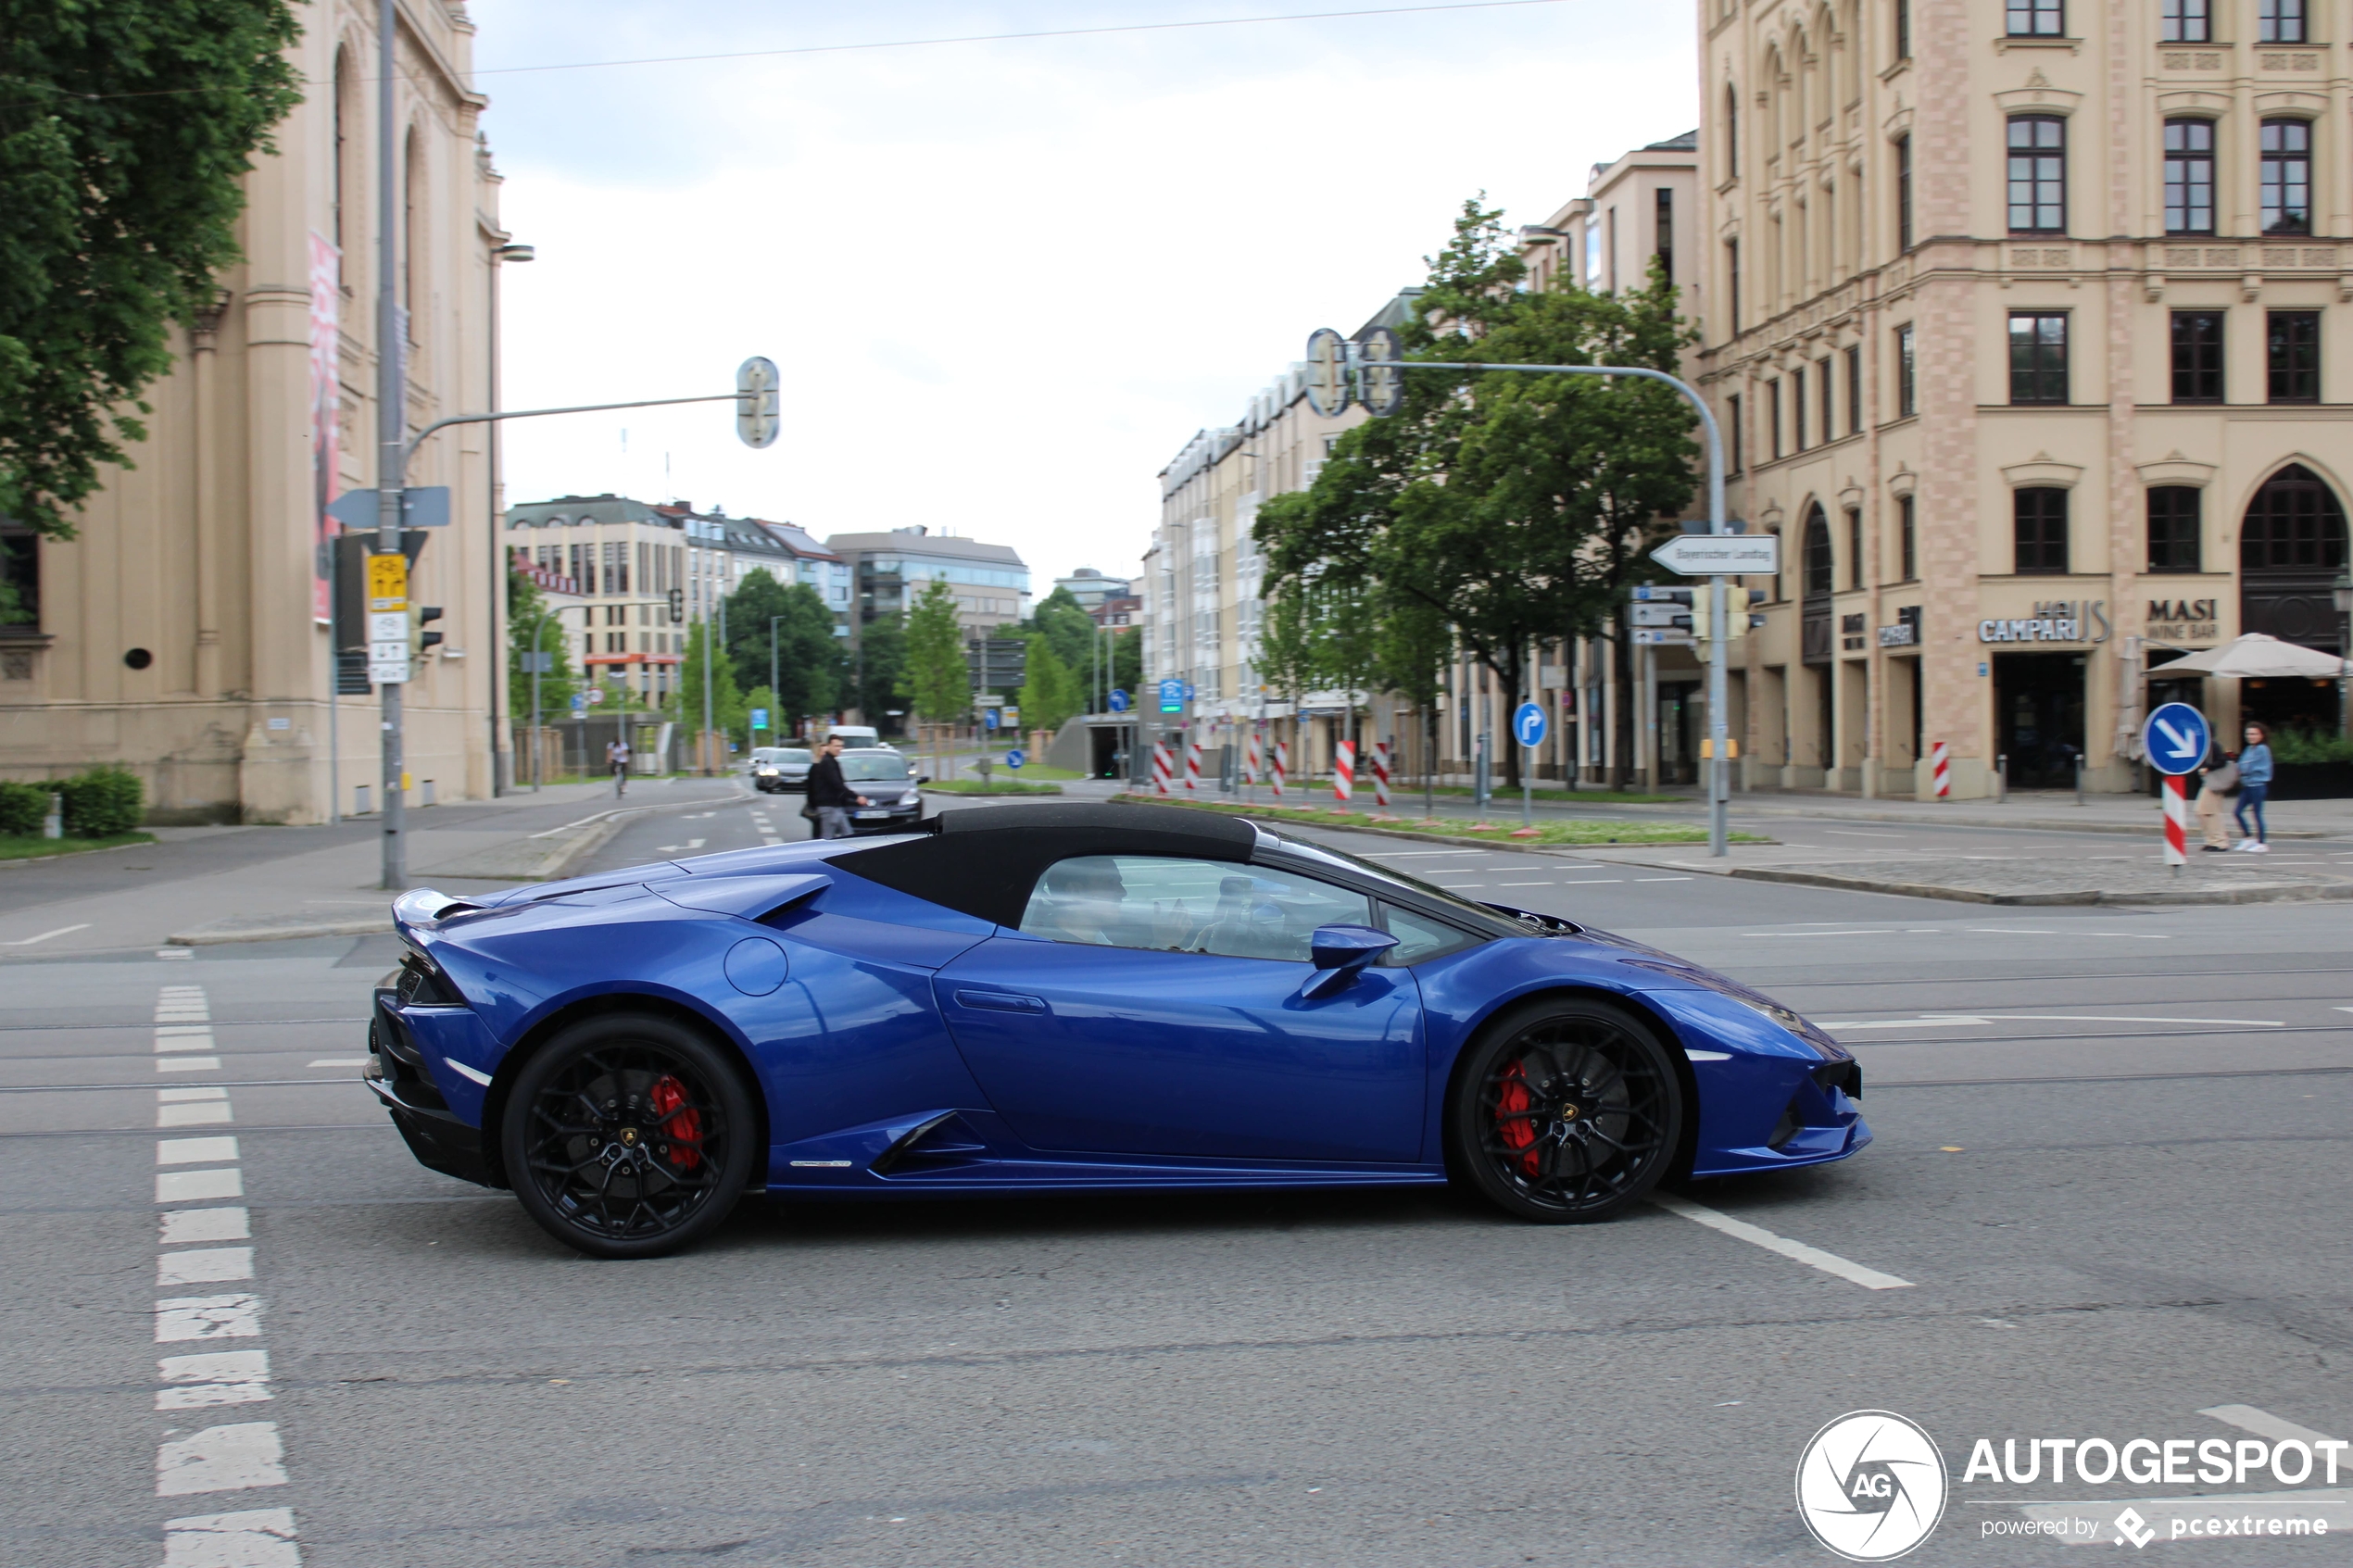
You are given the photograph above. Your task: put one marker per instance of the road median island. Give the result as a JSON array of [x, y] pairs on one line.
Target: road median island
[[2047, 881], [1555, 835]]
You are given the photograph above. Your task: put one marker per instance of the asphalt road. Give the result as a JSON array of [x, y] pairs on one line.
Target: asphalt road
[[2110, 1171]]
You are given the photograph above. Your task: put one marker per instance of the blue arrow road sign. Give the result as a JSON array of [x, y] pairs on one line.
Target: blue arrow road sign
[[988, 716], [580, 702], [1119, 702], [2176, 739], [1528, 724], [1016, 758]]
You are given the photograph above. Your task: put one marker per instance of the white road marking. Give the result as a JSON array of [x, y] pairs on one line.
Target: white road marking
[[1757, 1236], [258, 1538], [221, 1458], [184, 1032], [1902, 1022], [192, 1186], [1930, 1021], [61, 931], [1661, 879], [188, 1064], [194, 1151], [1597, 881], [182, 1096], [181, 1226], [235, 1316], [208, 1116], [175, 952], [2263, 1424], [1858, 832], [218, 1378], [1525, 885], [205, 1265], [2012, 930], [1890, 931], [340, 1061]]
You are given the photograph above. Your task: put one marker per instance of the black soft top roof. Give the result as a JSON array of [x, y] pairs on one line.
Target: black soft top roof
[[983, 860]]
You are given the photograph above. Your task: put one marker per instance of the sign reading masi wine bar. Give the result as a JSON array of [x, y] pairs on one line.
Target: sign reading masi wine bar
[[2056, 620], [2184, 621]]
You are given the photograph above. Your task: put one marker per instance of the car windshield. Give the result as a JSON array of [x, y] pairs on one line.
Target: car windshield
[[790, 754], [872, 768], [1486, 918]]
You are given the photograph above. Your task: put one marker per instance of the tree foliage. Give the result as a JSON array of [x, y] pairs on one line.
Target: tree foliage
[[1066, 627], [879, 677], [728, 710], [529, 618], [1514, 508], [1049, 694], [937, 681], [126, 128], [808, 656]]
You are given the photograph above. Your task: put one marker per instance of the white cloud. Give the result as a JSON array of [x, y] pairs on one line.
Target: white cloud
[[1006, 282]]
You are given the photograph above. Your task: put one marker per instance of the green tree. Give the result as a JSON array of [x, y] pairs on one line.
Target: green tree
[[528, 617], [1127, 661], [1067, 629], [728, 713], [760, 699], [937, 681], [1515, 507], [809, 660], [1050, 694], [879, 680], [126, 128]]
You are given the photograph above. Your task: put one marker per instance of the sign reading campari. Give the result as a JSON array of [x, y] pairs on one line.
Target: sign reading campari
[[2057, 620], [1872, 1485]]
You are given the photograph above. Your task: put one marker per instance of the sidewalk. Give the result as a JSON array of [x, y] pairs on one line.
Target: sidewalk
[[325, 882]]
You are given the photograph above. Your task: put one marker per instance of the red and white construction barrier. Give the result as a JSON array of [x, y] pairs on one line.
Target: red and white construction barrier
[[1192, 768], [2177, 822], [1282, 766], [1344, 770], [1380, 774], [1941, 769], [1251, 756], [1162, 764]]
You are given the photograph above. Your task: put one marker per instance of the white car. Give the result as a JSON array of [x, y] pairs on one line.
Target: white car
[[776, 769]]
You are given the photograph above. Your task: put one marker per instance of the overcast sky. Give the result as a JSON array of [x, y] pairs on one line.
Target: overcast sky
[[1006, 282]]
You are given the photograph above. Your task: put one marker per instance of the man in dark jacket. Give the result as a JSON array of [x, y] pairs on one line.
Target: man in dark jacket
[[829, 795]]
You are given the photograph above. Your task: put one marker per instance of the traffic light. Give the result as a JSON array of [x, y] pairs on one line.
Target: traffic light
[[1736, 612], [419, 638], [677, 605]]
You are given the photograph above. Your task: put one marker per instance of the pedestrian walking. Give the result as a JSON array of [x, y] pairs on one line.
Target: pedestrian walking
[[829, 795], [2220, 782], [617, 763], [2254, 786]]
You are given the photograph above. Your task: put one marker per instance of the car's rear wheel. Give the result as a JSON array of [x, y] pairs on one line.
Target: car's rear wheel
[[1565, 1111], [628, 1135]]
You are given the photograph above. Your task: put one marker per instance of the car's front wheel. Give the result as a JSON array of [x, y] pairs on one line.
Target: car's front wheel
[[628, 1135], [1565, 1109]]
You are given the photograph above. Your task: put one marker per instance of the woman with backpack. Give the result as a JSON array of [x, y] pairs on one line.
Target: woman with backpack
[[2254, 784], [2220, 782]]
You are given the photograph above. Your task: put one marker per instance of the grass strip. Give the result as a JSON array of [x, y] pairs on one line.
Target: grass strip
[[13, 847], [995, 786], [1506, 833]]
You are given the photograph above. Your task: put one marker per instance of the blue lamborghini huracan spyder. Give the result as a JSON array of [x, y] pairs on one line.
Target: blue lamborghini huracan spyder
[[1066, 997]]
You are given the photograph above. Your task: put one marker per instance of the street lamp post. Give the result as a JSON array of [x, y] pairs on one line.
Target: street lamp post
[[538, 630], [2344, 649], [773, 705], [500, 771]]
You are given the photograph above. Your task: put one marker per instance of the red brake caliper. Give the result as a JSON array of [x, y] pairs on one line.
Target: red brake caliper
[[1512, 1125], [684, 1127]]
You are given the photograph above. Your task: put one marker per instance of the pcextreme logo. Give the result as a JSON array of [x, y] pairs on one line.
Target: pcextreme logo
[[1871, 1486]]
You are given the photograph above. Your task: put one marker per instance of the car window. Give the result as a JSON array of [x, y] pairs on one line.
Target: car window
[[1419, 937], [1482, 917], [1183, 906], [792, 754], [873, 770]]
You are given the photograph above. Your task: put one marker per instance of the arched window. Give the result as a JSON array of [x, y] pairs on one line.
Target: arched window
[[346, 110], [2294, 524], [1820, 571]]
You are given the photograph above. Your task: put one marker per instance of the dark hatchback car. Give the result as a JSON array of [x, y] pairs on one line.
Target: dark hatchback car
[[890, 782]]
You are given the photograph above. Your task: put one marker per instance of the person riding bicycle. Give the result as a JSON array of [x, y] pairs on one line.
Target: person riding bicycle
[[617, 760]]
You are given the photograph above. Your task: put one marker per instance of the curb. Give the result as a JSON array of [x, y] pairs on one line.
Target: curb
[[1935, 816], [1467, 841], [2297, 893], [284, 928]]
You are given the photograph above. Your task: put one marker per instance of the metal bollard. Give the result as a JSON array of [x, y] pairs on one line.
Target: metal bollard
[[2079, 781], [54, 824], [2001, 776]]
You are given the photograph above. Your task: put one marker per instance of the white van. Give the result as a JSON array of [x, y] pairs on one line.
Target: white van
[[856, 736]]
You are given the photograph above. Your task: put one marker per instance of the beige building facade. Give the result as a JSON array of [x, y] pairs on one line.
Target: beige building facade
[[2031, 324], [184, 633]]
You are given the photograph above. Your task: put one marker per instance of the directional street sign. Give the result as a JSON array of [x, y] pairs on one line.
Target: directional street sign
[[1382, 389], [1016, 758], [1661, 637], [2175, 739], [759, 718], [580, 702], [1528, 724], [388, 619], [1119, 702], [1721, 554], [425, 506]]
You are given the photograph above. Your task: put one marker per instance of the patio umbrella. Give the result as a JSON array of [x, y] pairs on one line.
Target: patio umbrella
[[2256, 657]]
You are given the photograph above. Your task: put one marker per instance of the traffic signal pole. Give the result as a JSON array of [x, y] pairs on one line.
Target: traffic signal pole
[[392, 420]]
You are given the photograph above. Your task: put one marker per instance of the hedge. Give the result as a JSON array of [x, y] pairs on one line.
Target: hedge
[[22, 807]]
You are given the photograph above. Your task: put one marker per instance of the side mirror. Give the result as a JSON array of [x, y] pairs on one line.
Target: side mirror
[[1339, 952], [922, 778]]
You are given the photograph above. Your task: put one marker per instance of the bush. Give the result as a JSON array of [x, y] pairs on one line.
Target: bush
[[101, 803], [2310, 746], [22, 808]]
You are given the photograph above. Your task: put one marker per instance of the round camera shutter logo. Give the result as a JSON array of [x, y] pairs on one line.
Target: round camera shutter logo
[[1871, 1486]]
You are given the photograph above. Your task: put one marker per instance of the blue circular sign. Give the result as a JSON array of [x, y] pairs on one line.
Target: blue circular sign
[[1016, 758], [988, 718], [2176, 739], [1529, 724], [1119, 702]]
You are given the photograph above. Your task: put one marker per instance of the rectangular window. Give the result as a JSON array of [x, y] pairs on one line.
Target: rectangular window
[[1773, 411], [2293, 351], [2186, 21], [2280, 21], [1732, 421], [1830, 401], [2287, 176], [2041, 517], [2189, 177], [1853, 547], [2198, 355], [1855, 390], [1666, 232], [1902, 29], [1903, 193], [1907, 521], [1732, 256], [2037, 18], [2038, 174], [1798, 409], [21, 571], [1906, 383], [2038, 356], [2174, 528]]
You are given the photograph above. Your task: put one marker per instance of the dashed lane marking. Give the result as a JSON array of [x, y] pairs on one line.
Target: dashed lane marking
[[254, 1537], [1757, 1236], [221, 1458], [61, 931]]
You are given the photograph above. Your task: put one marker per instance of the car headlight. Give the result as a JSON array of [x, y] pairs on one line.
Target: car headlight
[[767, 772], [1757, 1002]]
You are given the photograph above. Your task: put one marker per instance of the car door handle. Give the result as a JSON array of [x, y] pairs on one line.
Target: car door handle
[[999, 1001]]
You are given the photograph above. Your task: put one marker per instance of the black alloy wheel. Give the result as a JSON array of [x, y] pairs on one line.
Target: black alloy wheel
[[628, 1135], [1566, 1110]]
